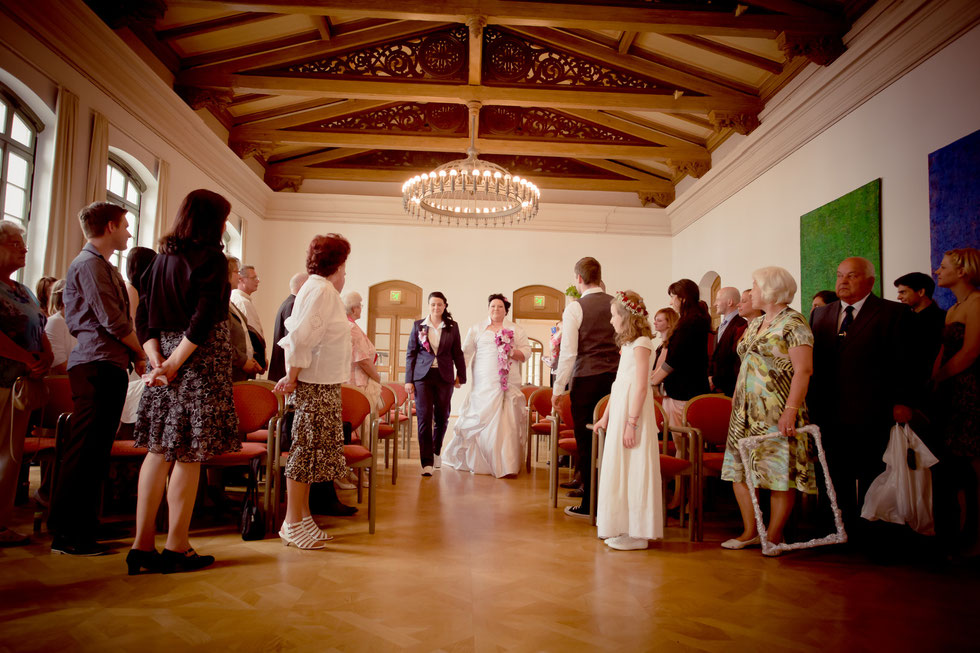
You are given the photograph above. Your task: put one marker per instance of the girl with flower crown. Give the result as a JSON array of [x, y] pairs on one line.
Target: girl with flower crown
[[490, 436], [630, 508]]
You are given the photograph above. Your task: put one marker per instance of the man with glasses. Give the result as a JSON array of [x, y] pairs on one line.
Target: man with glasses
[[241, 297]]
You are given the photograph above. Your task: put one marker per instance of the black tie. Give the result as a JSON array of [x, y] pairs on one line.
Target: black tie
[[846, 322]]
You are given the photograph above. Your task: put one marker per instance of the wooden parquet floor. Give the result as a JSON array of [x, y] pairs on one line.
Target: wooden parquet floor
[[471, 563]]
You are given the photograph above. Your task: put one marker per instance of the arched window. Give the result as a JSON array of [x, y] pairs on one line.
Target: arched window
[[125, 188], [18, 144]]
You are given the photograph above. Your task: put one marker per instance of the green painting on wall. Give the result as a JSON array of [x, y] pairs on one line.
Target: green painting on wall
[[848, 226]]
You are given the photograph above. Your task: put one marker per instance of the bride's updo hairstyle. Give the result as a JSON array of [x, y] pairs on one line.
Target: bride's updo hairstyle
[[446, 315], [636, 319], [497, 295]]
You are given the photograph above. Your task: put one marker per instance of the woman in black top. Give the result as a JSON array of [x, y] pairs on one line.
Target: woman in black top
[[684, 371], [187, 414]]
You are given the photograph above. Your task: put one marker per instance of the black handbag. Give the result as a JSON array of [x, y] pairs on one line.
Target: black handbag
[[253, 522]]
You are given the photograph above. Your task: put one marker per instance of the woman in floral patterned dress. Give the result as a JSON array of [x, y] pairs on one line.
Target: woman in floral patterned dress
[[777, 361]]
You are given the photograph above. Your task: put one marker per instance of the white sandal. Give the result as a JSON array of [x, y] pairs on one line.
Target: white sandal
[[299, 535], [314, 529]]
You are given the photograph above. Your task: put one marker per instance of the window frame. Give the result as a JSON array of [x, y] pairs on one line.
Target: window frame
[[132, 178], [17, 107]]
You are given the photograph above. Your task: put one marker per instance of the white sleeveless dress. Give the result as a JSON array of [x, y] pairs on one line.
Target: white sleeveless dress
[[630, 500], [490, 436]]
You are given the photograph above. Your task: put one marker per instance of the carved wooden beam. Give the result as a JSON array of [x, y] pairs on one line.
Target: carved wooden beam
[[656, 199], [476, 25], [422, 143], [398, 176], [205, 98], [695, 168], [553, 14], [821, 49], [287, 183], [246, 149], [323, 26], [742, 123], [524, 96]]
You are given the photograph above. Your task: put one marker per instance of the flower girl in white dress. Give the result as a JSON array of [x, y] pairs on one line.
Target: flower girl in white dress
[[630, 504]]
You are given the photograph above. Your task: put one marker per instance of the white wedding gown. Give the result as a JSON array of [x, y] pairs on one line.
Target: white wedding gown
[[490, 436]]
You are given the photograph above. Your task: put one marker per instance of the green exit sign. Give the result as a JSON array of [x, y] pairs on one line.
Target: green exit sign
[[539, 301], [395, 297]]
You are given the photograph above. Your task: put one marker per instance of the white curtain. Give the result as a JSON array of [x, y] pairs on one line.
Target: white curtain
[[98, 159], [63, 242], [160, 227]]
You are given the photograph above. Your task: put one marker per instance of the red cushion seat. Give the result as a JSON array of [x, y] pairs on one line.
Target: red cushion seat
[[355, 453], [543, 427], [713, 461], [568, 444], [670, 466], [386, 430], [249, 451], [127, 449], [34, 444], [262, 435]]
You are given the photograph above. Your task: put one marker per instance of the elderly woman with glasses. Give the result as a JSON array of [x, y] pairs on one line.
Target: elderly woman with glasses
[[363, 371]]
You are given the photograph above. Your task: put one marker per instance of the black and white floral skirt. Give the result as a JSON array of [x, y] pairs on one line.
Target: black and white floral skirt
[[317, 453], [193, 418]]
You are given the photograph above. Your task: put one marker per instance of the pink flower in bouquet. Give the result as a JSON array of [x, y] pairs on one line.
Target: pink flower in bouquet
[[505, 344], [424, 337]]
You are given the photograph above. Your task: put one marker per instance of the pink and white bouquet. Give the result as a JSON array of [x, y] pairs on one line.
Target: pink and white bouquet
[[505, 344], [424, 337]]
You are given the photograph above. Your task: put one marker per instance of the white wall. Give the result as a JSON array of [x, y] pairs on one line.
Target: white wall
[[890, 137]]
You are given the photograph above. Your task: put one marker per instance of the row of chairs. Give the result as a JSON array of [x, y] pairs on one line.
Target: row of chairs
[[703, 431]]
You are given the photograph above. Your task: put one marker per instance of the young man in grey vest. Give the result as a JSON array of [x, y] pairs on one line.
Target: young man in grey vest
[[587, 364]]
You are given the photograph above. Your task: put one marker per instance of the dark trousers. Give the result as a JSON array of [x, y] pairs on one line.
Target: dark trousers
[[854, 454], [98, 391], [432, 403], [586, 392]]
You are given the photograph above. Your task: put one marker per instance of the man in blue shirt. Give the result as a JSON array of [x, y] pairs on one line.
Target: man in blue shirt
[[97, 314]]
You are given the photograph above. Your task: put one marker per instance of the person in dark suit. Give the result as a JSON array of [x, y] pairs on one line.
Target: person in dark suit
[[434, 347], [277, 362], [862, 384], [725, 363]]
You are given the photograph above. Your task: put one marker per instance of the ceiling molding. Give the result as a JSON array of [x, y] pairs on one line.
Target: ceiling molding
[[888, 41]]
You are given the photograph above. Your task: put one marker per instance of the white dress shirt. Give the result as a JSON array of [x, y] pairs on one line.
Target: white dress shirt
[[243, 302], [857, 309], [571, 321], [435, 335], [319, 334]]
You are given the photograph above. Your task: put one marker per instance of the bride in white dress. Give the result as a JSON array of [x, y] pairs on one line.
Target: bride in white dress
[[490, 436]]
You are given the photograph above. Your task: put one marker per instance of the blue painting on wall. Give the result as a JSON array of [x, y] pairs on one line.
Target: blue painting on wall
[[954, 202]]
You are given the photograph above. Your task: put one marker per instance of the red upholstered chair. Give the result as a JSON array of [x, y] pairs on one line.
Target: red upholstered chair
[[388, 428], [47, 429], [357, 409], [600, 408], [562, 442], [264, 434], [401, 405], [257, 407], [673, 466], [708, 415], [528, 390], [538, 424]]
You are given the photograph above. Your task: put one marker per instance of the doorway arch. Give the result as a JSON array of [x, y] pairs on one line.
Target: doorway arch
[[392, 308]]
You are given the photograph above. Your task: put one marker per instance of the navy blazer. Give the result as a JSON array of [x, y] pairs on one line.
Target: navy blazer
[[418, 361]]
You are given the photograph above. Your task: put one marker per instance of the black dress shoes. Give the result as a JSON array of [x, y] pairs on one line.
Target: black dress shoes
[[138, 560], [571, 485], [337, 509], [174, 562]]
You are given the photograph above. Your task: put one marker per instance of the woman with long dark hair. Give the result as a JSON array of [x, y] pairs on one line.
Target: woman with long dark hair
[[187, 413], [434, 348], [684, 371]]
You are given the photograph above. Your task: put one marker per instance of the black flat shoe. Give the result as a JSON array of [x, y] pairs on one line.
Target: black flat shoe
[[137, 560], [571, 485], [175, 562]]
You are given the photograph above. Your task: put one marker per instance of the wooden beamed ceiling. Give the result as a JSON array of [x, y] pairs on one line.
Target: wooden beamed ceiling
[[626, 96]]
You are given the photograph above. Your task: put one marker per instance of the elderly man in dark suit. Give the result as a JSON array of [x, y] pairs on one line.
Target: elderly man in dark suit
[[725, 363], [862, 383]]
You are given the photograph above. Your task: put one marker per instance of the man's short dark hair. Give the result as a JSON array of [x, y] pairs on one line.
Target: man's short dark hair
[[589, 269], [917, 281], [96, 217]]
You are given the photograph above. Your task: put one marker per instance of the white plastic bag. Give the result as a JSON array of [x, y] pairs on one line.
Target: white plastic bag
[[901, 495]]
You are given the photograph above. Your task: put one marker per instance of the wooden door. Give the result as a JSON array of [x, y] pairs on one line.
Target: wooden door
[[392, 308]]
